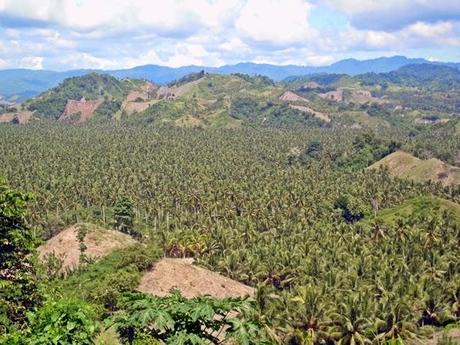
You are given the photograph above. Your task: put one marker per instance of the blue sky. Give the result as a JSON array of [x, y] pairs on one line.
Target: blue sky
[[109, 34]]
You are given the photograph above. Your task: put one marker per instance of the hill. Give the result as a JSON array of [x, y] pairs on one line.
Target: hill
[[77, 99], [422, 206], [66, 247], [191, 280], [404, 165], [196, 100], [425, 93], [420, 94], [20, 84]]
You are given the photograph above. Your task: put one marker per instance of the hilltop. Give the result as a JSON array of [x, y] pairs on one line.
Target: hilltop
[[405, 165], [66, 247], [196, 100], [21, 84], [414, 95]]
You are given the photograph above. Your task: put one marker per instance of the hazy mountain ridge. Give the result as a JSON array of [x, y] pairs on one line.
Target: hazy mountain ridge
[[417, 94], [20, 84]]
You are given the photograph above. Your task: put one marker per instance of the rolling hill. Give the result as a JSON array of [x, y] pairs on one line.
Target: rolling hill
[[404, 165], [21, 84], [196, 100], [420, 94], [66, 247]]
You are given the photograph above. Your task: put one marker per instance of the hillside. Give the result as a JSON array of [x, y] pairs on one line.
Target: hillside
[[196, 100], [423, 206], [413, 96], [66, 247], [21, 84], [79, 99], [191, 280], [404, 165], [423, 93]]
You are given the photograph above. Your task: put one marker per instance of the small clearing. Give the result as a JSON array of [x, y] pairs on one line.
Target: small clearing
[[404, 165], [290, 96], [166, 92], [364, 96], [79, 111], [336, 95], [99, 242], [7, 117], [21, 117], [315, 113], [191, 280], [140, 99]]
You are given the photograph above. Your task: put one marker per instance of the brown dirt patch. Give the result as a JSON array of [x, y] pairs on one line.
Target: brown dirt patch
[[404, 165], [99, 242], [364, 96], [176, 91], [146, 92], [79, 111], [290, 96], [140, 99], [315, 113], [336, 95], [131, 108], [191, 280], [7, 117], [21, 117]]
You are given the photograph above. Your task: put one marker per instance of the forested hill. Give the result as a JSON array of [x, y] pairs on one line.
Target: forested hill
[[419, 95], [20, 84], [424, 75]]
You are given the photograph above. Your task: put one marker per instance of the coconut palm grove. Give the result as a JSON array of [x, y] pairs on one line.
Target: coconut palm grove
[[156, 190]]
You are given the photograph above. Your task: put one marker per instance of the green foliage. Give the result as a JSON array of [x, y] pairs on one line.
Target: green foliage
[[258, 112], [107, 110], [231, 197], [177, 320], [102, 282], [366, 149], [18, 283], [62, 322], [92, 86], [123, 214]]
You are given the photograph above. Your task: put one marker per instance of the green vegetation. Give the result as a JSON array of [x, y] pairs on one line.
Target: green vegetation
[[18, 283], [93, 86], [177, 320], [337, 253], [249, 181]]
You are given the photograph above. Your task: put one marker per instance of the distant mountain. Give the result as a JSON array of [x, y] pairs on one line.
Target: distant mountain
[[440, 77], [20, 84]]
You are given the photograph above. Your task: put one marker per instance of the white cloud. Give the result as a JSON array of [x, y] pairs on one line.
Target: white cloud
[[234, 44], [396, 14], [87, 15], [117, 33], [33, 62], [430, 31], [279, 22]]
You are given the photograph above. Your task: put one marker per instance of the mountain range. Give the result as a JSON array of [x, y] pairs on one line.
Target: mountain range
[[21, 84]]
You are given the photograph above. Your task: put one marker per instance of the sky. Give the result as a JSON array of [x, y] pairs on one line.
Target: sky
[[113, 34]]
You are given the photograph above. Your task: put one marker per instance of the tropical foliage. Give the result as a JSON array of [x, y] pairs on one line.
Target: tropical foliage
[[291, 212]]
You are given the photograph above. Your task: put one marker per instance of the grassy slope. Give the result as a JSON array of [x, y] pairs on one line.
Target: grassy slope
[[404, 165], [420, 206], [211, 102]]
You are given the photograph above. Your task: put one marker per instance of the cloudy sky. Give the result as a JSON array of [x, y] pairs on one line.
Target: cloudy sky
[[108, 34]]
